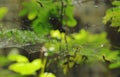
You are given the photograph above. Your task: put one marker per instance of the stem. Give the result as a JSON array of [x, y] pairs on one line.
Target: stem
[[66, 42], [61, 20], [43, 66], [62, 11]]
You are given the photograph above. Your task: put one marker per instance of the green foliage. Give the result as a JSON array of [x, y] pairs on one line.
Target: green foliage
[[23, 66], [68, 18], [47, 75], [8, 73], [116, 3], [26, 68], [42, 11], [20, 37], [93, 46], [115, 64], [113, 15], [3, 11], [83, 38], [17, 58], [74, 48], [81, 47], [3, 61]]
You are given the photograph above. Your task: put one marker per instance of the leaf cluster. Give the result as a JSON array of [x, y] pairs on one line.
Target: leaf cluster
[[24, 67], [80, 47], [113, 15], [42, 11]]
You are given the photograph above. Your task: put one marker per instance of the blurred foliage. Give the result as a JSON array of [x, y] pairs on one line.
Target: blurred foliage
[[82, 47], [79, 40], [17, 58], [113, 15], [115, 64], [3, 11], [3, 61], [42, 11], [75, 48], [8, 73], [24, 67], [47, 75], [21, 37]]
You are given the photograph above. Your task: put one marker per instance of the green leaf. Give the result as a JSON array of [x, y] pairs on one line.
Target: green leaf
[[32, 15], [47, 75], [3, 11], [26, 68], [23, 12], [37, 64], [114, 65], [18, 58], [22, 68], [81, 35], [55, 34], [69, 17], [71, 23], [113, 15]]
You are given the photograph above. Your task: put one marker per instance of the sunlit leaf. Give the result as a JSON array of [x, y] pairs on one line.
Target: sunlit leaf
[[71, 23], [32, 15], [78, 58], [18, 58], [55, 34], [47, 75], [82, 35], [69, 17], [3, 11], [113, 15], [37, 64], [22, 68], [26, 68]]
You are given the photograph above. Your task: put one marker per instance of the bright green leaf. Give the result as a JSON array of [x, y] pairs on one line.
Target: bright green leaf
[[47, 75], [26, 68], [22, 68], [55, 34], [71, 23], [3, 11], [36, 64], [18, 58], [32, 15]]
